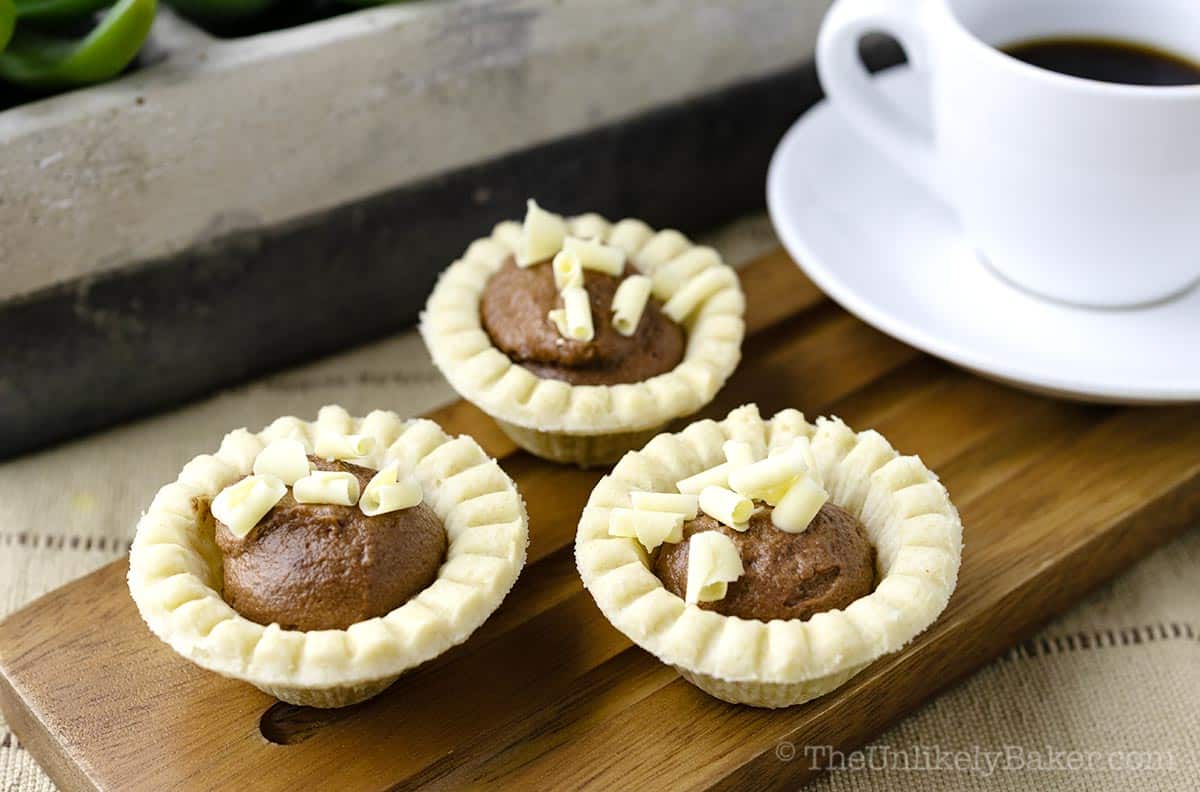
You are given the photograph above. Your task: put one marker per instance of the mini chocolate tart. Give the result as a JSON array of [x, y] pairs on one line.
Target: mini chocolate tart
[[321, 587], [781, 603], [585, 391]]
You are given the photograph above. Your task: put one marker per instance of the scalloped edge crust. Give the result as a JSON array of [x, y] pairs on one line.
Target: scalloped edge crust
[[174, 565], [909, 518], [485, 376]]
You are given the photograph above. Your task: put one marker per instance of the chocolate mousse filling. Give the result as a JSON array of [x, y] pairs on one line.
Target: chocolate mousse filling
[[787, 576], [514, 311], [316, 566]]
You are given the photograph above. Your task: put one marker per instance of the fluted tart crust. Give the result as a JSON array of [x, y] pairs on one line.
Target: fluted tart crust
[[175, 573], [908, 517], [542, 413]]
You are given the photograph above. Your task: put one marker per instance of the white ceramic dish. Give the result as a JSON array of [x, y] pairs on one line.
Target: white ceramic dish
[[890, 253]]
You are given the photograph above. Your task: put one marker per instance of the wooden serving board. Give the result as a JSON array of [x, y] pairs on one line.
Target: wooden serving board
[[1055, 497]]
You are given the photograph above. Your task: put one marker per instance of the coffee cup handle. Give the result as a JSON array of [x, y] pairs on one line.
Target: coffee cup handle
[[848, 84]]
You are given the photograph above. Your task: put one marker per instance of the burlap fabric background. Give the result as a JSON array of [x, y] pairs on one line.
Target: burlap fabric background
[[1105, 698]]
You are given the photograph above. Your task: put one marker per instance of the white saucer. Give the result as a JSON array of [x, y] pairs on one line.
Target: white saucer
[[891, 254]]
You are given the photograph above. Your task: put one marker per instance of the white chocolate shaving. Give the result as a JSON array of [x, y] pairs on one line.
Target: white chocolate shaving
[[385, 493], [558, 317], [541, 235], [768, 479], [332, 444], [327, 486], [697, 290], [713, 563], [726, 507], [578, 314], [391, 497], [567, 270], [654, 528], [648, 527], [799, 505], [596, 255], [285, 459], [802, 446], [240, 506], [713, 477], [675, 503], [629, 303], [738, 453]]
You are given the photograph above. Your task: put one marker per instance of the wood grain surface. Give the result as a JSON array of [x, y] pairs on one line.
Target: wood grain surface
[[1055, 498]]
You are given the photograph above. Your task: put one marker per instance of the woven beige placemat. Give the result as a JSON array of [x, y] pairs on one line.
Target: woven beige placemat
[[1105, 698]]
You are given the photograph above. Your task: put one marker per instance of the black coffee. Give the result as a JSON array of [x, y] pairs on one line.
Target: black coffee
[[1108, 60]]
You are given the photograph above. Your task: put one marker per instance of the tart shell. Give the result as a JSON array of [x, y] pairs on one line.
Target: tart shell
[[175, 566], [906, 511], [588, 424]]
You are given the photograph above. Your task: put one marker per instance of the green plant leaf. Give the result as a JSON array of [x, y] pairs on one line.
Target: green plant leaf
[[8, 21], [42, 61], [58, 10]]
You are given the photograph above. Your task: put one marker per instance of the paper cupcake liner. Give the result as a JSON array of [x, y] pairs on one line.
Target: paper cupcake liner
[[582, 450]]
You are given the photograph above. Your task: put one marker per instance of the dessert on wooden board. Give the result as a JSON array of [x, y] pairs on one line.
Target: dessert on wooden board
[[769, 560], [584, 338], [1001, 452], [318, 561]]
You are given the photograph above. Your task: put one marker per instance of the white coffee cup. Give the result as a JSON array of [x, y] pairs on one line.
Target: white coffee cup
[[1078, 190]]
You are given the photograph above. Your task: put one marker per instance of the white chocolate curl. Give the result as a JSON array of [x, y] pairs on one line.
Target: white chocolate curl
[[675, 503], [799, 505], [697, 290], [558, 317], [713, 563], [327, 486], [332, 444], [738, 454], [768, 479], [629, 303], [541, 236], [285, 459], [567, 270], [649, 528], [803, 447], [578, 314], [386, 493], [240, 506], [596, 255], [726, 507], [713, 477]]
